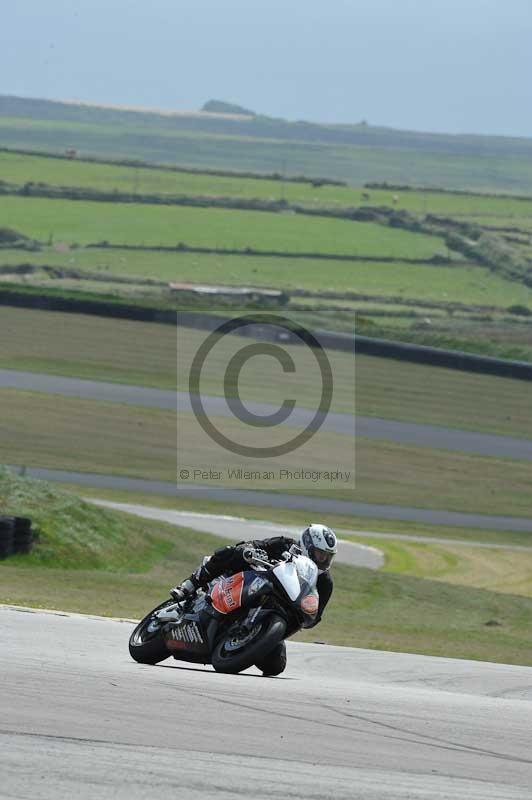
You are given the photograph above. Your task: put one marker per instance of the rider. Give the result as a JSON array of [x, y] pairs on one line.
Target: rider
[[317, 542]]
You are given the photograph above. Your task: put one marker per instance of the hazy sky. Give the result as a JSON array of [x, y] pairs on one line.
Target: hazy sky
[[439, 65]]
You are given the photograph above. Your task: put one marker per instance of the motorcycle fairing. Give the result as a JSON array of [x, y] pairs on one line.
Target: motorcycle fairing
[[226, 595], [298, 579], [286, 574], [191, 638], [239, 591], [185, 635]]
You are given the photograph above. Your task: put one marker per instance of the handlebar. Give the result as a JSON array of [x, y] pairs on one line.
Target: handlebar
[[260, 557], [257, 558]]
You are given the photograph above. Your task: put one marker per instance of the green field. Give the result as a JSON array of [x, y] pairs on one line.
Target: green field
[[496, 165], [466, 283], [101, 562], [21, 169], [85, 222], [493, 302]]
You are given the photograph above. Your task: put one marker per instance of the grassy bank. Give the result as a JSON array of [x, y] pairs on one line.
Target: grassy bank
[[72, 534], [101, 562]]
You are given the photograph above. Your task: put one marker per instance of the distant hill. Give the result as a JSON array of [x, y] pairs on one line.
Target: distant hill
[[258, 126], [221, 107], [356, 153]]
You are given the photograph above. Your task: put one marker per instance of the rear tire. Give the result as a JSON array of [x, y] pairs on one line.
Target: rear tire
[[149, 647], [271, 634]]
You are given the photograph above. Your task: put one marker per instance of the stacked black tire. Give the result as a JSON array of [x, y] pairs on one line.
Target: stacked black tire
[[16, 536]]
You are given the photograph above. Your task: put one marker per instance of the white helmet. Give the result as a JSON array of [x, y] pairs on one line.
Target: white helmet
[[319, 543]]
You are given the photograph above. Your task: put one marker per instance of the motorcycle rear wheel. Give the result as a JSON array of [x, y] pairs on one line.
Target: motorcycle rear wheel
[[226, 659], [148, 646]]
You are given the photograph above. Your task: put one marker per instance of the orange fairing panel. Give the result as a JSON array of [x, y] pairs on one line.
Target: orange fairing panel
[[227, 594]]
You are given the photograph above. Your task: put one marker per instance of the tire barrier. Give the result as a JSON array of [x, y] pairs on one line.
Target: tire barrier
[[7, 535], [16, 535], [24, 537]]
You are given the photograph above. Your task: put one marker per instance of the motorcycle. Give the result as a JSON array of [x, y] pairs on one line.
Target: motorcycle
[[238, 621]]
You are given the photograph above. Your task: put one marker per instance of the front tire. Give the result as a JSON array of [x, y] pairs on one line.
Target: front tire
[[230, 657], [146, 643], [274, 663]]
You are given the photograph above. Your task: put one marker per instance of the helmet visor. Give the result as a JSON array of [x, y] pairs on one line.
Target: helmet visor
[[323, 558]]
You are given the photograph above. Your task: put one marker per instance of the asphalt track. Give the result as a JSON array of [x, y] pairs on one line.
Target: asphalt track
[[346, 424], [238, 529], [79, 718], [312, 505]]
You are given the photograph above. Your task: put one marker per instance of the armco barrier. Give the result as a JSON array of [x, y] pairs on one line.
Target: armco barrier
[[382, 348], [402, 351], [436, 357], [100, 308]]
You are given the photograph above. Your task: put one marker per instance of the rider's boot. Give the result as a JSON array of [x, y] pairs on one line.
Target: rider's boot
[[185, 590]]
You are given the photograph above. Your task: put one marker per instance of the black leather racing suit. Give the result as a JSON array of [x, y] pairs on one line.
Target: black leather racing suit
[[229, 560]]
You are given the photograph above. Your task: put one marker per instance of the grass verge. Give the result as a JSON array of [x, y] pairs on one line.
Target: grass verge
[[44, 430], [144, 353], [507, 571]]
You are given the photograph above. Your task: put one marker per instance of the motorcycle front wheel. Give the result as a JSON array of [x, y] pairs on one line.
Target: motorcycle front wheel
[[146, 643], [239, 648]]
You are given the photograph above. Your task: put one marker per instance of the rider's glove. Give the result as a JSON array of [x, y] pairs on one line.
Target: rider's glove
[[184, 591], [249, 554]]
